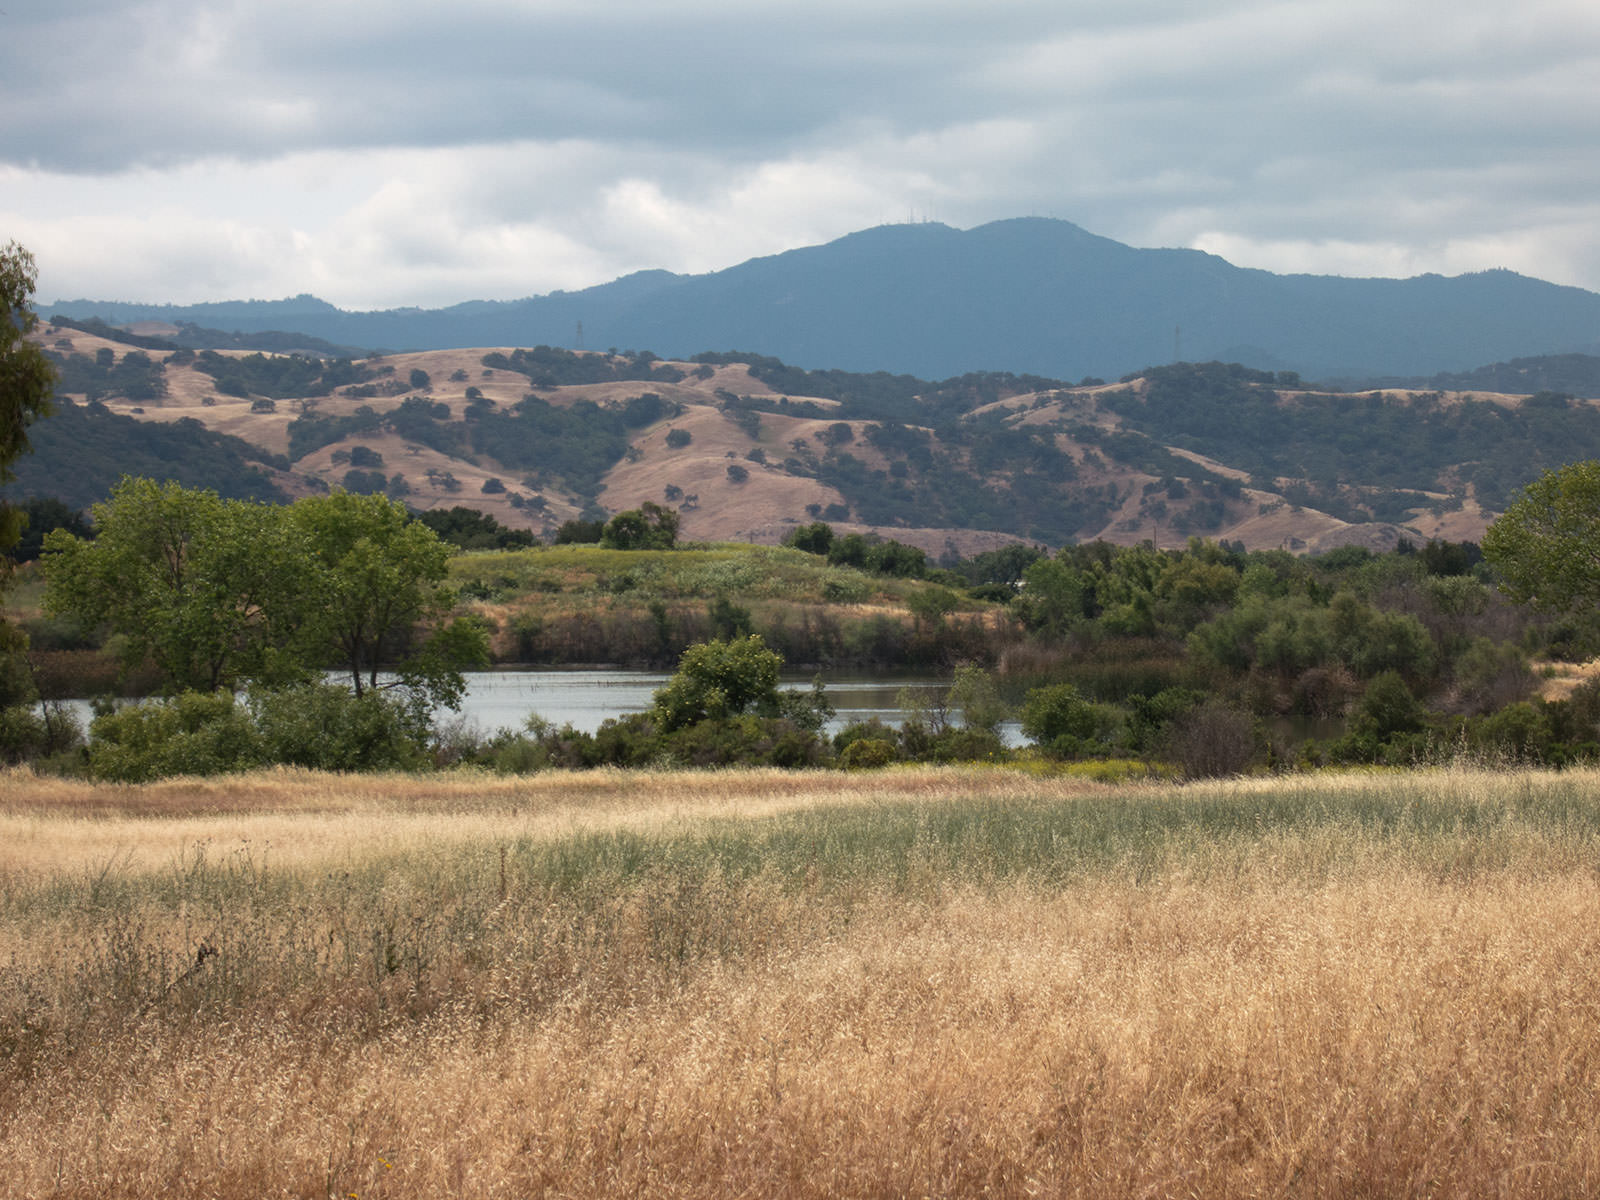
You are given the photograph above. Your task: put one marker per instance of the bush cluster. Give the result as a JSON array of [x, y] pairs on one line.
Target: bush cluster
[[320, 726]]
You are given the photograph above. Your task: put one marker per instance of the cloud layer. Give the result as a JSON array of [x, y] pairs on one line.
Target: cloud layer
[[401, 153]]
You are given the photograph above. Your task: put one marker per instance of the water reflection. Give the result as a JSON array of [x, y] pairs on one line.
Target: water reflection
[[585, 698]]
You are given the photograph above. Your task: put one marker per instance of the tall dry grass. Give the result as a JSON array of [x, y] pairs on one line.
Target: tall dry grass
[[752, 983]]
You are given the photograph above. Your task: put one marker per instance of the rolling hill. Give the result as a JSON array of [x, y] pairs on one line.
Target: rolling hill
[[747, 447]]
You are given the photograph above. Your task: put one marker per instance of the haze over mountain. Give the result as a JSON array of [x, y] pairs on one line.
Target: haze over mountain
[[1029, 295]]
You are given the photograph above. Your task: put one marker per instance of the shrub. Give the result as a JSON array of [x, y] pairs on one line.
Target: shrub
[[964, 745], [810, 711], [747, 739], [194, 733], [973, 691], [511, 753], [845, 589], [1212, 740], [815, 538], [1151, 717], [867, 753], [677, 439], [719, 679], [1388, 708], [27, 736], [1518, 731], [857, 731], [327, 727], [630, 741], [727, 619], [1064, 724], [579, 532]]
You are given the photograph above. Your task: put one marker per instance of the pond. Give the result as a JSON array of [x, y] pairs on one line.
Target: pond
[[505, 699], [585, 698]]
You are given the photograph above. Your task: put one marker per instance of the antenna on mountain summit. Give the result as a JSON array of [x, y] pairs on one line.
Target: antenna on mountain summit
[[1177, 343], [577, 342]]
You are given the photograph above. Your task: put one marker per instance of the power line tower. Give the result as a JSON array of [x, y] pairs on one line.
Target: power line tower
[[577, 342]]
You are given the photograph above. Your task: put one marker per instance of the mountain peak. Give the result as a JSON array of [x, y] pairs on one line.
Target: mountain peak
[[1035, 295]]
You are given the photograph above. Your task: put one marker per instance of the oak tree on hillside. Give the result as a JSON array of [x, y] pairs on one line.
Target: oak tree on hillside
[[648, 527]]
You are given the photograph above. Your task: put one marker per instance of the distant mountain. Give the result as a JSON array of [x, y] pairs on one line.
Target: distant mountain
[[1029, 295]]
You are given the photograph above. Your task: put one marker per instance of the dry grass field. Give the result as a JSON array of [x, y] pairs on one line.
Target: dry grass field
[[914, 983]]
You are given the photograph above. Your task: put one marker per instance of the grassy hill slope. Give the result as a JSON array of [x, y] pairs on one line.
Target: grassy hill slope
[[747, 448]]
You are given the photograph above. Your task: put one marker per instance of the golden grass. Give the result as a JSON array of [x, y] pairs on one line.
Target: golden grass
[[768, 984], [53, 824]]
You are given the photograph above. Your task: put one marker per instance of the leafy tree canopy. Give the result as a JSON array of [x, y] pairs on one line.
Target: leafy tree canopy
[[199, 584], [83, 450], [26, 375], [649, 527], [469, 529], [375, 577], [720, 679], [218, 591], [1546, 546]]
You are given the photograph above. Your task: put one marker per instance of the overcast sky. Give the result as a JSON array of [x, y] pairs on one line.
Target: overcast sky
[[401, 153]]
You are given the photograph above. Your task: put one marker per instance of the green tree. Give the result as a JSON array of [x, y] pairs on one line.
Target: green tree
[[1064, 724], [202, 586], [42, 514], [973, 691], [815, 538], [26, 376], [1546, 545], [219, 591], [375, 577], [648, 527], [26, 380], [1056, 596], [718, 679]]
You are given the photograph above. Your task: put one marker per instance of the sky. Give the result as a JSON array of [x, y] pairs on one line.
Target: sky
[[382, 155]]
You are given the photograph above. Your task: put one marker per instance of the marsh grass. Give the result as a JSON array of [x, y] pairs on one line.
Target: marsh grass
[[760, 983], [700, 572], [569, 604]]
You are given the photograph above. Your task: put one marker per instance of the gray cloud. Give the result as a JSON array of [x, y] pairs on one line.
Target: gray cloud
[[418, 153]]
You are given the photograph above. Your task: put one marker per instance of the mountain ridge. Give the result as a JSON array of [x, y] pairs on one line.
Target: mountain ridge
[[1027, 294]]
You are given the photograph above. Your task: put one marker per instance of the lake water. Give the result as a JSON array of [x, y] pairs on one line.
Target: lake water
[[585, 698]]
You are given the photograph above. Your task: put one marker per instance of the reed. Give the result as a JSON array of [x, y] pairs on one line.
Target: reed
[[804, 984]]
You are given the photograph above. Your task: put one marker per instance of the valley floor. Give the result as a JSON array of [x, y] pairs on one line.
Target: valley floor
[[915, 982]]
